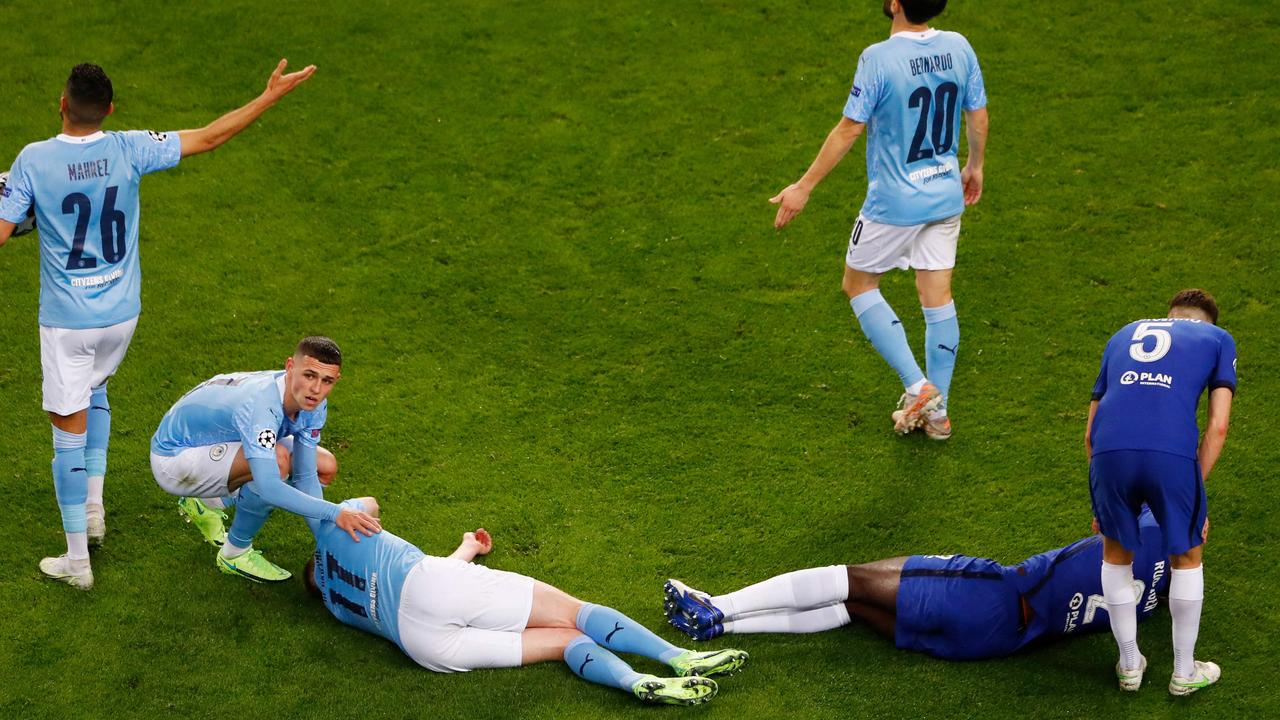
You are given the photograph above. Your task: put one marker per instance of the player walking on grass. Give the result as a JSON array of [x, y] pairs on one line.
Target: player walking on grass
[[235, 439], [449, 615], [907, 94], [1142, 442], [83, 185], [953, 607]]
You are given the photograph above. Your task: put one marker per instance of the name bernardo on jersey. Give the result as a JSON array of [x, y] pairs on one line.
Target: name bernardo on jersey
[[930, 64]]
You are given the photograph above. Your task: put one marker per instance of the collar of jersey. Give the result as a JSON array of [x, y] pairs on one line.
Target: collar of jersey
[[84, 140], [280, 384], [917, 35]]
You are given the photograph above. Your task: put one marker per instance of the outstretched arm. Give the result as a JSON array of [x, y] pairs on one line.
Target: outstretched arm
[[473, 544], [228, 126], [793, 197]]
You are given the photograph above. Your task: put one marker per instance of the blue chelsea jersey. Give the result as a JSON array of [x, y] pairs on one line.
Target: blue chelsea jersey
[[1153, 374], [361, 582], [85, 193], [1062, 588], [909, 91]]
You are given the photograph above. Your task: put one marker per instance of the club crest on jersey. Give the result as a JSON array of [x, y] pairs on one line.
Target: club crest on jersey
[[267, 439], [5, 191], [1150, 379], [158, 136], [217, 452], [315, 434]]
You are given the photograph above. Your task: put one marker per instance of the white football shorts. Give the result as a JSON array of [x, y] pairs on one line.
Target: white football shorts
[[878, 248], [200, 472], [76, 361], [457, 616]]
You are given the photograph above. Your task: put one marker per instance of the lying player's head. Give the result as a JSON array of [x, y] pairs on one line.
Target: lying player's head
[[312, 371], [1194, 303], [86, 100], [917, 12], [309, 578]]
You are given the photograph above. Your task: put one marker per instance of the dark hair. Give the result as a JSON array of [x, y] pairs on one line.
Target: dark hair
[[1199, 299], [89, 95], [922, 11], [321, 348], [309, 578]]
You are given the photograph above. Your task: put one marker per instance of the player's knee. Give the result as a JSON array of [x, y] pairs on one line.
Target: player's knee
[[1188, 560], [371, 506], [326, 466]]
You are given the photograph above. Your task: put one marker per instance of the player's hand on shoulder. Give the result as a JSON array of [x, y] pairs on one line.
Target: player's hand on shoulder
[[790, 202], [971, 178], [357, 522], [280, 84]]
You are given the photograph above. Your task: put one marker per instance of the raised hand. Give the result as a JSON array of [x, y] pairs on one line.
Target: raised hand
[[279, 84]]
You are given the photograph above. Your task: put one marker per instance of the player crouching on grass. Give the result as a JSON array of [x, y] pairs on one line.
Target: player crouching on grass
[[953, 607], [449, 615], [252, 440]]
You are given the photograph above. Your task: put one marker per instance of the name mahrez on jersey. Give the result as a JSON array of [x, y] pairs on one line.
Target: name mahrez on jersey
[[87, 170], [930, 64]]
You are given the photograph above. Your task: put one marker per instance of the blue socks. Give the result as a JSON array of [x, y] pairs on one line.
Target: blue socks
[[941, 341], [71, 485], [593, 663], [883, 328], [98, 433], [251, 514], [615, 631]]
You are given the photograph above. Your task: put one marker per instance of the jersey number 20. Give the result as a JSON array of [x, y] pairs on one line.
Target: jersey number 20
[[943, 103], [112, 227]]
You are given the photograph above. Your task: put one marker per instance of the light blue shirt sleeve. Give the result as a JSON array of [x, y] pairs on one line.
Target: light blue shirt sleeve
[[866, 92], [152, 151], [975, 96], [16, 198], [258, 423]]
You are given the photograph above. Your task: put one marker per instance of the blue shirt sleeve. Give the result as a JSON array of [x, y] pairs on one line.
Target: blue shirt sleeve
[[1100, 385], [975, 96], [1224, 374], [867, 88], [17, 195], [258, 423], [152, 151]]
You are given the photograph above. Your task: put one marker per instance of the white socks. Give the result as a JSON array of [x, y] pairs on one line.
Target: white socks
[[790, 621], [1186, 598], [1122, 608], [916, 387], [799, 590], [78, 546], [229, 551], [95, 491]]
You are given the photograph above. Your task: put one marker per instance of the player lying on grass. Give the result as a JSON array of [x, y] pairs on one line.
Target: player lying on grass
[[953, 607], [253, 440], [450, 615]]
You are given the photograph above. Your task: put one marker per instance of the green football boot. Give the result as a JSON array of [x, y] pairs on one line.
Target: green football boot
[[709, 663], [674, 691], [207, 520], [250, 564]]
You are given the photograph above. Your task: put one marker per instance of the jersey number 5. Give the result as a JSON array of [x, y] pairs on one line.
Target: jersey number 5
[[111, 226], [1155, 330], [943, 102]]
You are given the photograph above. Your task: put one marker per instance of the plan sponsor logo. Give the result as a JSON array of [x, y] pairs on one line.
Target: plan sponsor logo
[[1149, 379]]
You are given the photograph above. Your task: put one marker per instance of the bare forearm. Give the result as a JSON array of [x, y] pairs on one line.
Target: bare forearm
[[466, 552], [224, 128], [976, 123], [6, 231], [838, 143], [1088, 429], [1211, 448]]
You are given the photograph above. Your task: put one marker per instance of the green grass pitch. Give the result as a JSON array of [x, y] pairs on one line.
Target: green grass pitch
[[539, 231]]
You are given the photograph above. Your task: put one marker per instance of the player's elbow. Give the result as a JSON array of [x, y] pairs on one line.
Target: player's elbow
[[1216, 431]]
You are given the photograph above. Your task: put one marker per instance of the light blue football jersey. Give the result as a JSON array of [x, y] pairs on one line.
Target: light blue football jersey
[[909, 91], [361, 582], [85, 192], [237, 407]]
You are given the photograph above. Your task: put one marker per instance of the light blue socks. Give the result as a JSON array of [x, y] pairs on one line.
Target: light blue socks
[[98, 433], [595, 664], [883, 328], [942, 340], [70, 484], [613, 630]]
